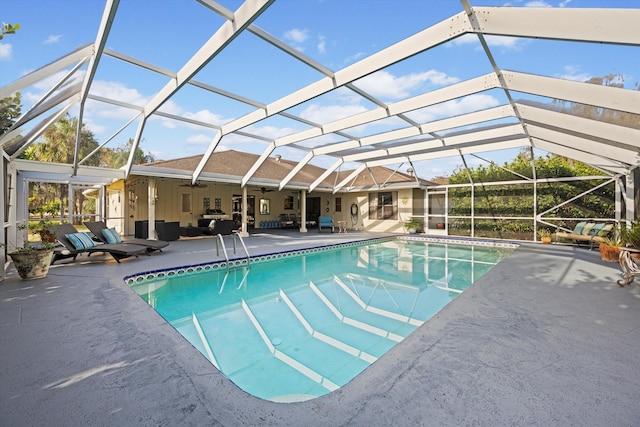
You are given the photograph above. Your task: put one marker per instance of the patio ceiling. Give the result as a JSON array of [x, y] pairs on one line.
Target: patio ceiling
[[521, 119]]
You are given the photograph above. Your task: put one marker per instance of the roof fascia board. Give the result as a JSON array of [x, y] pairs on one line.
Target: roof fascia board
[[82, 54], [584, 93], [101, 174], [615, 26]]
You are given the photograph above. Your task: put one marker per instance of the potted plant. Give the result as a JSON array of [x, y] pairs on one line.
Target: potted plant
[[32, 261], [413, 225], [545, 235], [630, 237], [610, 246]]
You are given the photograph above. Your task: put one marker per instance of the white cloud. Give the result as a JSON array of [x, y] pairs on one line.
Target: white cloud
[[354, 58], [272, 132], [296, 35], [322, 44], [386, 85], [6, 50], [119, 92], [454, 108], [200, 139], [52, 39], [297, 38], [574, 73]]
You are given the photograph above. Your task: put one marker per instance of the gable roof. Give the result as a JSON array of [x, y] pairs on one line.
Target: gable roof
[[231, 165]]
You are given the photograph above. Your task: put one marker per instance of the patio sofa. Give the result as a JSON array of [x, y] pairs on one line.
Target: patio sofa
[[588, 232]]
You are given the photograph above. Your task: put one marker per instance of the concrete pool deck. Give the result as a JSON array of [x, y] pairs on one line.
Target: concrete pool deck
[[545, 338]]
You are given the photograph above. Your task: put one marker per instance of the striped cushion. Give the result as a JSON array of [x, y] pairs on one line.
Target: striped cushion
[[81, 240], [579, 227], [111, 235], [595, 231], [605, 230], [586, 231]]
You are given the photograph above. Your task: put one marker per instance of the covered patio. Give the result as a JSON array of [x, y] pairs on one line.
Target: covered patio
[[545, 338]]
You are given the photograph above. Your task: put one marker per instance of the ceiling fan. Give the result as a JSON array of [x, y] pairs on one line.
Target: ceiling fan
[[196, 185], [265, 190]]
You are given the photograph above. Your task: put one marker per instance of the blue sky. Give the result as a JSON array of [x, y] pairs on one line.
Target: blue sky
[[335, 33]]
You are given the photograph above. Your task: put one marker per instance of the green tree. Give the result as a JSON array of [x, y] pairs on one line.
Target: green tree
[[119, 156], [10, 108], [8, 29]]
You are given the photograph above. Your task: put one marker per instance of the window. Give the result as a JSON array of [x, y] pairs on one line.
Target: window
[[383, 205], [288, 202], [338, 204], [186, 202]]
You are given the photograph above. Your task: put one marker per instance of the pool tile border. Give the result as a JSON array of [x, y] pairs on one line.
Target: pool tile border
[[143, 277]]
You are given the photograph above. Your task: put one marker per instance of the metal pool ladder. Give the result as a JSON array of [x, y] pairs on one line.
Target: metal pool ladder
[[220, 242]]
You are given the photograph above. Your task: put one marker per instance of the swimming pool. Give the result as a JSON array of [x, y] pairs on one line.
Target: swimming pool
[[291, 327]]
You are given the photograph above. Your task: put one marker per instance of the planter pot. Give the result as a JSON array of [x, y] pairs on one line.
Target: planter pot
[[546, 239], [609, 253], [32, 264], [440, 226], [412, 231]]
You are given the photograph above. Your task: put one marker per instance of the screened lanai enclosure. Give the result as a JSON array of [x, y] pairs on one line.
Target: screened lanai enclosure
[[473, 99]]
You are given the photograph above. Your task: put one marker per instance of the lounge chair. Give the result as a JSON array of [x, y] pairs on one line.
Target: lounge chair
[[286, 221], [588, 232], [65, 233], [325, 221], [111, 236]]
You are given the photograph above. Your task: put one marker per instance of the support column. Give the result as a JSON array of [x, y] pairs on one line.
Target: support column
[[245, 226], [619, 192], [303, 211], [632, 195], [152, 196]]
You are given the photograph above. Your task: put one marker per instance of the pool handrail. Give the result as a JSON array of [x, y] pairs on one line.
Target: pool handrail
[[246, 251]]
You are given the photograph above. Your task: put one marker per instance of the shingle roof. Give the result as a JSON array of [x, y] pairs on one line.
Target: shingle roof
[[235, 164]]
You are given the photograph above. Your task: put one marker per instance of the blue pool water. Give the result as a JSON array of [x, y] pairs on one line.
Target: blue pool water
[[297, 327]]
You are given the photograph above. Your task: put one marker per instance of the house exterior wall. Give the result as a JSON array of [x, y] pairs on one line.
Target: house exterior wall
[[169, 204]]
